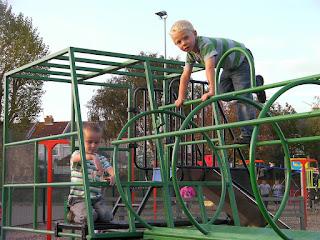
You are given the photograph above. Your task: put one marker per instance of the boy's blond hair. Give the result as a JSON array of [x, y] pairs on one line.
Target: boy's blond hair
[[92, 127], [182, 25]]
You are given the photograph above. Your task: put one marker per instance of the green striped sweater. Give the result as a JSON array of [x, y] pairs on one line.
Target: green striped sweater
[[209, 47], [76, 176]]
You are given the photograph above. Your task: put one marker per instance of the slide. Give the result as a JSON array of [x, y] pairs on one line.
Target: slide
[[248, 210]]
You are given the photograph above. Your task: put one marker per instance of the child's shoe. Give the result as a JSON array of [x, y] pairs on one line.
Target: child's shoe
[[70, 216], [242, 140], [261, 94]]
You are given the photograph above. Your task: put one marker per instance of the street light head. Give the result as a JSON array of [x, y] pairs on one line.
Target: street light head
[[162, 14]]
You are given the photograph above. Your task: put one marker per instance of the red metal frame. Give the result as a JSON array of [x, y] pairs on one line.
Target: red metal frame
[[304, 161], [50, 144]]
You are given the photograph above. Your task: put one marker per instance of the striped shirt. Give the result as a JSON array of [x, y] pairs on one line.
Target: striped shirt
[[209, 47], [76, 176]]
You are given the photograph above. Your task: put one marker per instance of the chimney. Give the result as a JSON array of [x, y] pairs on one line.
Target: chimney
[[48, 120]]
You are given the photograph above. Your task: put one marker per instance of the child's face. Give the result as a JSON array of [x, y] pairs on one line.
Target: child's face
[[185, 40], [91, 141]]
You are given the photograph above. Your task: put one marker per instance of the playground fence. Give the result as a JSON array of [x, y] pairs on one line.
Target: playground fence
[[290, 212]]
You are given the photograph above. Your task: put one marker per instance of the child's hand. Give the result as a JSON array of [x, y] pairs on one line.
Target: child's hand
[[112, 180], [179, 102], [206, 96], [98, 164]]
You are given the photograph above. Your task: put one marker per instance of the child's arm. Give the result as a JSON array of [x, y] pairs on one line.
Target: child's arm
[[93, 157], [182, 192], [111, 178], [184, 81], [193, 193], [210, 73]]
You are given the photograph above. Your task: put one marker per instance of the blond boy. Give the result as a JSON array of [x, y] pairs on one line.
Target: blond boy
[[235, 75]]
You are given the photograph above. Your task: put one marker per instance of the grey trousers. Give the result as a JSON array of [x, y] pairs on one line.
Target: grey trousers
[[100, 211]]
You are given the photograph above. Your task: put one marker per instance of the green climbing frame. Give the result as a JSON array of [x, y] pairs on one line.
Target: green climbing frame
[[78, 66]]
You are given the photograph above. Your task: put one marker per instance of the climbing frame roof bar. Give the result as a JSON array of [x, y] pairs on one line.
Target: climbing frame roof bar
[[56, 67]]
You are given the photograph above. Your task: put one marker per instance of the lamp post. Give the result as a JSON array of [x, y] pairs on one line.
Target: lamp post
[[163, 15]]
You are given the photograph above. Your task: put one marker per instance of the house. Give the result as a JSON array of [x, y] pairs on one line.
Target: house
[[61, 152]]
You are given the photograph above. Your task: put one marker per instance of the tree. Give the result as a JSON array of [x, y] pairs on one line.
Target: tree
[[109, 104], [20, 44], [289, 128], [104, 107], [270, 153], [311, 127]]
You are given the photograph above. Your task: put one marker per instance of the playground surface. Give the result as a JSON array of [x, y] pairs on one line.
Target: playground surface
[[313, 225]]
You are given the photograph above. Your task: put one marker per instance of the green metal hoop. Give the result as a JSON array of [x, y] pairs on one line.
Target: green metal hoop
[[115, 157]]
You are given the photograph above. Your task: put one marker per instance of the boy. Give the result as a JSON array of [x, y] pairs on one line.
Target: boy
[[96, 165], [264, 188], [235, 75], [277, 192]]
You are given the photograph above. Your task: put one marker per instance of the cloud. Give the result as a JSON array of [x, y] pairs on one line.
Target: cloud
[[260, 41], [10, 2], [300, 66], [287, 69], [316, 47]]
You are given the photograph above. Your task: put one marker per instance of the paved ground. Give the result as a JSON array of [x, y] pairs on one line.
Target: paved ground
[[24, 214], [313, 225]]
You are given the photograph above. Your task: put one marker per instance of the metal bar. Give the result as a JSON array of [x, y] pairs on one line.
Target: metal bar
[[109, 70], [309, 79], [101, 62], [42, 78], [221, 62], [41, 185], [224, 126], [97, 70], [225, 165], [76, 103], [30, 230], [201, 205], [112, 148], [288, 173], [192, 142], [164, 176], [145, 199], [55, 65], [10, 207], [44, 59], [264, 143], [132, 226], [136, 57], [41, 139], [120, 190], [35, 190], [49, 72], [5, 140]]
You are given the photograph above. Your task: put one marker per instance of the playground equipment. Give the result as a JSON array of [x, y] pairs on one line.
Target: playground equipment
[[303, 162], [76, 66], [50, 144]]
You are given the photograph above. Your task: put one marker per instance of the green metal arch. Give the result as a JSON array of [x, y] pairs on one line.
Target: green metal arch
[[283, 141], [115, 156], [225, 55], [252, 148], [174, 175]]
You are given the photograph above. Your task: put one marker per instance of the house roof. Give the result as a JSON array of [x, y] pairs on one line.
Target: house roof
[[40, 129], [45, 129]]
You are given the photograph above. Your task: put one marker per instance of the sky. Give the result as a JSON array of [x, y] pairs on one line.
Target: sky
[[283, 36]]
